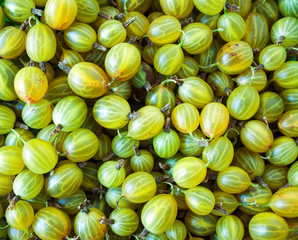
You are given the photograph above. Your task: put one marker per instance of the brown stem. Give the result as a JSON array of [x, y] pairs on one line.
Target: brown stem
[[219, 208], [220, 100], [119, 16], [259, 67], [242, 123], [132, 40], [167, 125], [254, 64], [120, 164], [11, 194], [280, 40], [100, 190], [106, 221], [82, 164], [136, 150], [129, 21], [43, 67], [133, 116], [24, 25], [204, 143], [105, 16], [287, 185], [144, 234], [232, 7], [166, 167], [99, 47], [148, 41], [54, 204], [84, 207], [255, 50], [165, 108], [18, 124], [147, 86], [57, 129], [178, 80], [36, 12], [109, 157], [151, 150], [164, 178], [187, 22], [30, 63], [64, 67], [261, 181], [227, 91], [13, 202]]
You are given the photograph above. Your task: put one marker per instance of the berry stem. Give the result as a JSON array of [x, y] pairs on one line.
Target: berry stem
[[165, 108], [136, 150], [231, 129], [232, 7], [55, 101], [18, 124], [130, 21], [167, 125], [166, 167], [33, 18], [261, 181], [119, 134], [36, 12], [105, 16], [125, 7], [85, 206], [106, 221], [24, 25], [5, 226], [117, 202], [202, 142], [119, 16], [13, 202], [280, 40], [269, 156], [133, 116], [218, 30], [209, 66], [219, 208], [168, 80], [19, 136], [99, 47], [183, 38], [120, 164], [43, 67], [57, 129], [64, 67]]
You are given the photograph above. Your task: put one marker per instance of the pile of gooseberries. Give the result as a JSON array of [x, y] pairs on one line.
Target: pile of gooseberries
[[148, 119]]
